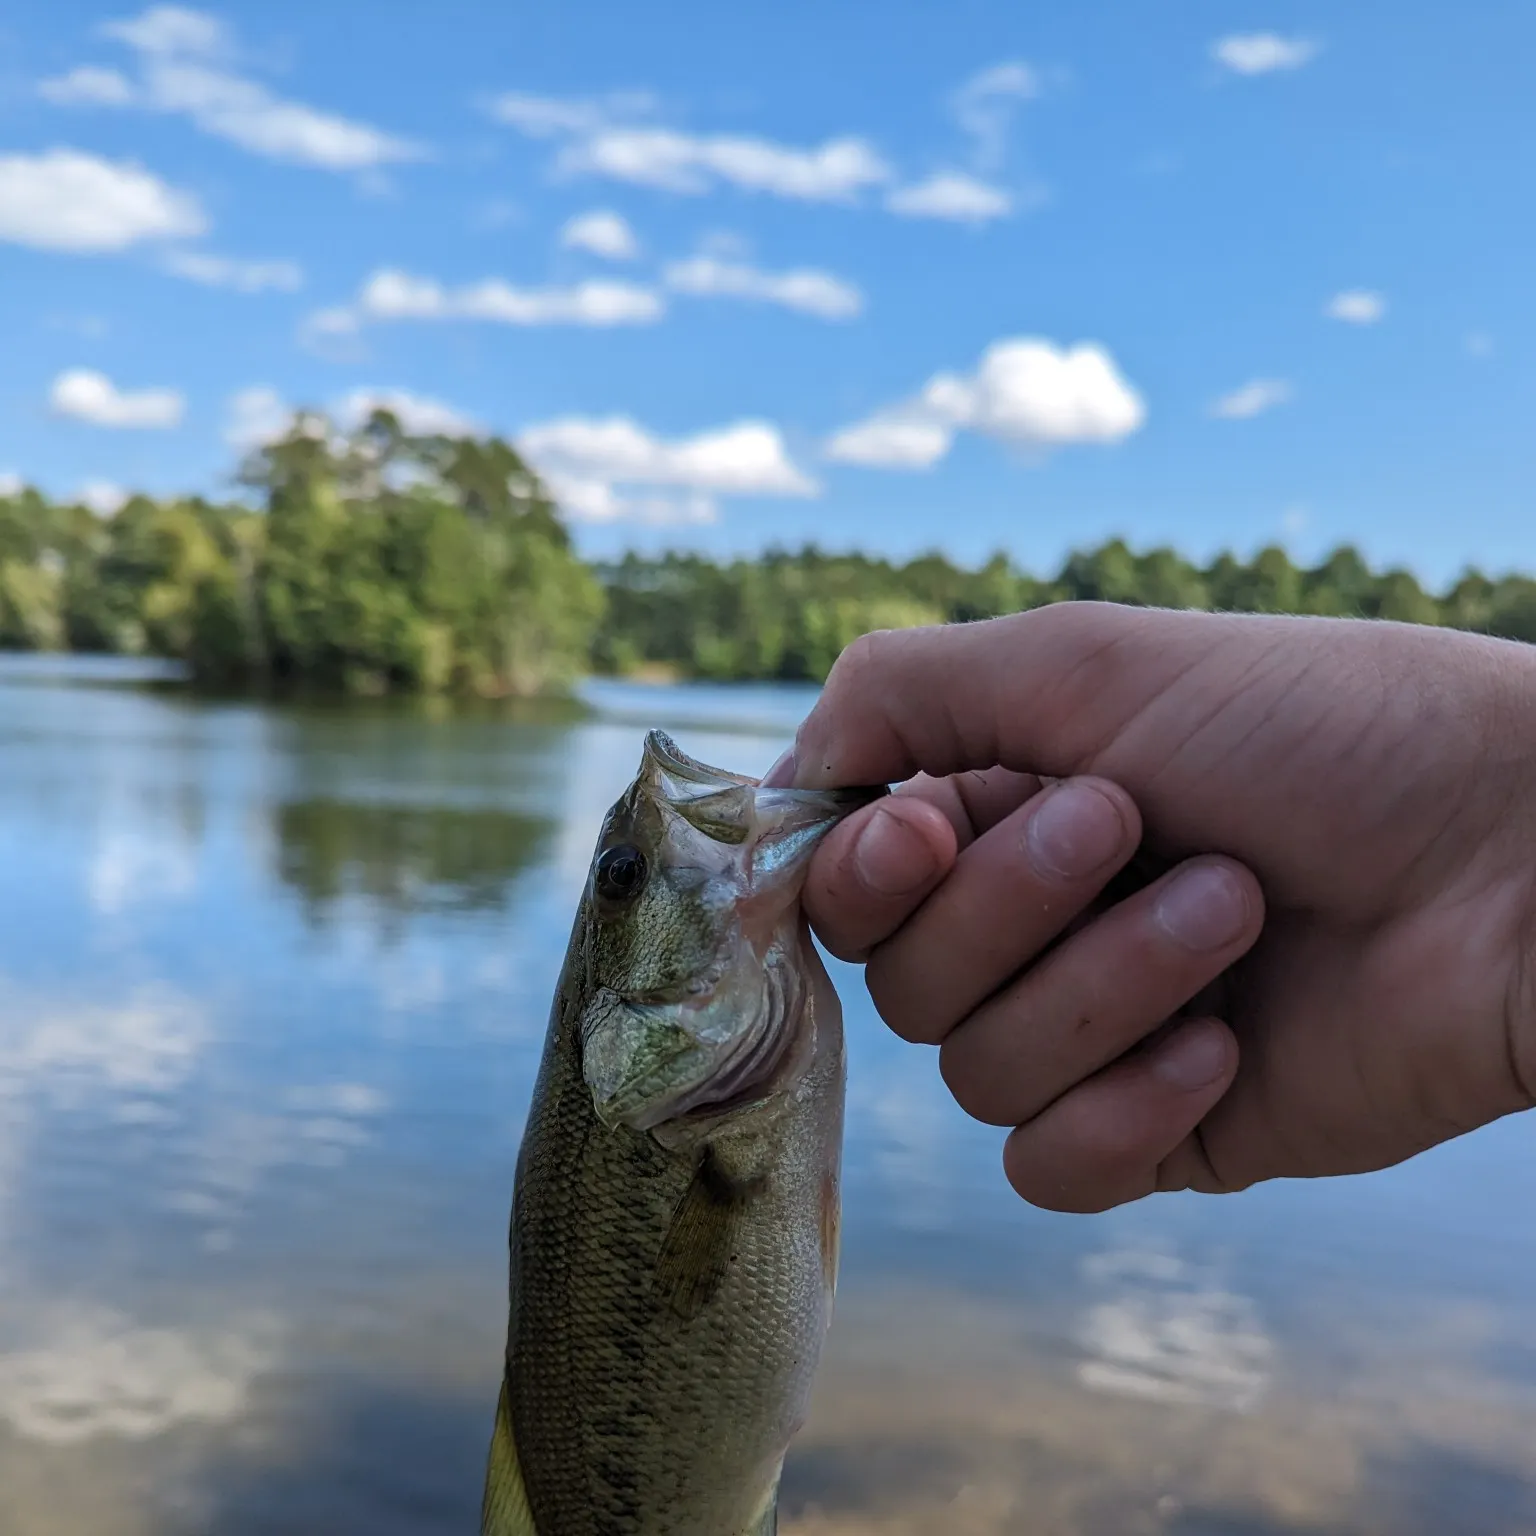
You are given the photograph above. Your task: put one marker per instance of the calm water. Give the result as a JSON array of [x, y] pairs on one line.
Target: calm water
[[272, 988]]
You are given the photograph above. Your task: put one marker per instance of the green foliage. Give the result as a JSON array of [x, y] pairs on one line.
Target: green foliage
[[786, 615], [379, 562]]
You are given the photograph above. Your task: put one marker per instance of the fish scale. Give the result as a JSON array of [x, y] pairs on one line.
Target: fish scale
[[671, 1285]]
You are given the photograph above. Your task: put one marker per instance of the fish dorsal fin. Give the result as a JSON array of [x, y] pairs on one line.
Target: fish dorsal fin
[[504, 1511]]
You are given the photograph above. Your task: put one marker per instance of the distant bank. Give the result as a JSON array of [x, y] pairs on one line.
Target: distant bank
[[376, 562]]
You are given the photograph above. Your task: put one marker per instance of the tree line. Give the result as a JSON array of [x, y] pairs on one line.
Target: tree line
[[376, 561]]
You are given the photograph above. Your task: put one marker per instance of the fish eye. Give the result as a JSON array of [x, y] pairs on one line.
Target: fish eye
[[621, 872]]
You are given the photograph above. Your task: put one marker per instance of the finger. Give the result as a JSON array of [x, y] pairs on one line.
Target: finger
[[1130, 1129], [1102, 992], [1041, 691], [873, 870], [1009, 895], [870, 875], [974, 801]]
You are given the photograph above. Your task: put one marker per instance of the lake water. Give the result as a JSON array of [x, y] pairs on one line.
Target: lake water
[[273, 984]]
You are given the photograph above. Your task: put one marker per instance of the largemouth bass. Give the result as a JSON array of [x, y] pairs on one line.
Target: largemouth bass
[[674, 1235]]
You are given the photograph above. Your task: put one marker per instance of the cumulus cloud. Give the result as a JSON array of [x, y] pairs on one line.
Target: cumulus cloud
[[1356, 306], [550, 117], [64, 200], [259, 415], [603, 233], [88, 86], [392, 295], [1262, 53], [183, 69], [418, 415], [1026, 392], [1251, 399], [984, 106], [892, 442], [951, 195], [231, 272], [86, 395], [255, 416], [601, 138], [165, 30], [593, 467], [104, 497], [11, 484], [804, 288], [836, 171]]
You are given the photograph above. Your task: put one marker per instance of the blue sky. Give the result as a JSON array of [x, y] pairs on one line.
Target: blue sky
[[887, 276]]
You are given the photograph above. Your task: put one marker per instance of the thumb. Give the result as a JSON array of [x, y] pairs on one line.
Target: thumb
[[1049, 691]]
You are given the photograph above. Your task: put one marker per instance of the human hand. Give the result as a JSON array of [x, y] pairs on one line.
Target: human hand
[[1373, 786]]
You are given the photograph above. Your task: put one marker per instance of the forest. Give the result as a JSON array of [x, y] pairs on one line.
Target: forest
[[376, 562]]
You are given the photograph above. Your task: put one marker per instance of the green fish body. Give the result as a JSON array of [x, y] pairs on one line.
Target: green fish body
[[674, 1234]]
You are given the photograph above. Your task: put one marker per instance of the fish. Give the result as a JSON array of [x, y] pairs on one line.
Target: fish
[[676, 1204]]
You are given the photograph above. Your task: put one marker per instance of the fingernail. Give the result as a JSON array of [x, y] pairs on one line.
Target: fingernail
[[1195, 1057], [1074, 831], [1203, 908], [892, 859], [782, 774]]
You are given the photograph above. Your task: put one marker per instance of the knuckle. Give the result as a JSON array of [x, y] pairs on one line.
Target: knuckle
[[857, 660]]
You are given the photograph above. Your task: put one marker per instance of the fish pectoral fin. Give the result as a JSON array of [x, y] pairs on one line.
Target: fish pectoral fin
[[700, 1245], [504, 1510]]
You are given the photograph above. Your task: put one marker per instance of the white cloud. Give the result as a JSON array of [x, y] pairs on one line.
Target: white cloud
[[103, 497], [1356, 306], [603, 233], [336, 321], [985, 104], [232, 272], [171, 29], [89, 1373], [548, 117], [132, 868], [1296, 520], [88, 86], [586, 461], [395, 295], [1252, 399], [892, 442], [256, 416], [64, 200], [418, 415], [86, 395], [950, 195], [804, 289], [1026, 392], [1262, 53], [600, 143], [11, 484], [1160, 1331], [179, 53], [836, 171]]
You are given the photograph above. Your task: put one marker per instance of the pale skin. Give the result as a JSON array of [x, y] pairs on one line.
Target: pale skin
[[1327, 962]]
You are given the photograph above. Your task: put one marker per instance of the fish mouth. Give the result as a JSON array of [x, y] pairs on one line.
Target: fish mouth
[[736, 1032]]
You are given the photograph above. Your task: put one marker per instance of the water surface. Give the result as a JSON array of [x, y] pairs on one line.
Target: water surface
[[273, 983]]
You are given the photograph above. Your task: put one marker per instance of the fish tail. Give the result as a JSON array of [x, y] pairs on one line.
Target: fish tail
[[504, 1509]]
